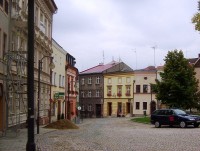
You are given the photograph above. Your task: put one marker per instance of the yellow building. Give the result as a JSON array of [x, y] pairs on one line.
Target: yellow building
[[118, 91], [58, 82]]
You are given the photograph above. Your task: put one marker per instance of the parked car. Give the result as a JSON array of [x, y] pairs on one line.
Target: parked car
[[174, 117]]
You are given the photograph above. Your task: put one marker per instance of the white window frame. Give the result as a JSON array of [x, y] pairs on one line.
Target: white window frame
[[97, 93], [89, 94], [97, 80], [82, 81], [89, 80]]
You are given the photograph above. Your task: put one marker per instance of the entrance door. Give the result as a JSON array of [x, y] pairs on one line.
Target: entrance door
[[128, 105], [59, 110], [153, 106], [109, 108], [98, 110]]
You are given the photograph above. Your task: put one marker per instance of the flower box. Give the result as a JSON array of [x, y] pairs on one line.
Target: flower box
[[119, 94]]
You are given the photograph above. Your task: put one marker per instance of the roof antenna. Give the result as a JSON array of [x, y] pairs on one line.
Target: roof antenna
[[103, 57], [154, 48]]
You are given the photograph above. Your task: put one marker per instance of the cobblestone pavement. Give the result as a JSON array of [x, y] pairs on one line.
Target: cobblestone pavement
[[111, 134]]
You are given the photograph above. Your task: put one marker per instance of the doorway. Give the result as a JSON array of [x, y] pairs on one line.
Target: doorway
[[98, 110], [128, 109], [153, 106], [109, 108], [59, 110]]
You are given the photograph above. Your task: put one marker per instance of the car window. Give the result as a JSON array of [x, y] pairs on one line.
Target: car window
[[156, 112], [169, 112], [162, 112], [180, 112]]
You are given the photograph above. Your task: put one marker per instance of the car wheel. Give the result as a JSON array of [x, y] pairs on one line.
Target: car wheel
[[157, 124], [196, 125], [182, 124]]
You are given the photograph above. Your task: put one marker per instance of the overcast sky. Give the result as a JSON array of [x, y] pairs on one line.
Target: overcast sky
[[139, 32]]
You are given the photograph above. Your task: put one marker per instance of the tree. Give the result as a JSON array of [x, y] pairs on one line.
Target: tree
[[178, 86], [196, 19]]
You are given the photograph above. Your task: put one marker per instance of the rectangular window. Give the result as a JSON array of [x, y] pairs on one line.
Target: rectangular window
[[89, 80], [83, 94], [128, 80], [45, 26], [97, 93], [109, 91], [59, 80], [89, 93], [49, 30], [137, 88], [63, 81], [144, 105], [145, 88], [119, 90], [128, 90], [82, 81], [36, 16], [4, 43], [42, 25], [137, 105], [98, 80], [109, 81], [6, 6], [119, 80], [90, 107]]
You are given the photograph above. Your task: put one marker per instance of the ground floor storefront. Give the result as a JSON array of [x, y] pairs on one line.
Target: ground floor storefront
[[117, 107]]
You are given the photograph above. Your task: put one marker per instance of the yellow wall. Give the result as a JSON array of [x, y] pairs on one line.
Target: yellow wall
[[59, 60], [114, 99]]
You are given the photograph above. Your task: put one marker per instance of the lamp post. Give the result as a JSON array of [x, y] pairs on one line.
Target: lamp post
[[30, 146], [39, 72]]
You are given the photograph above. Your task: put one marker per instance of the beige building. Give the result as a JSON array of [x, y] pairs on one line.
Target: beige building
[[58, 82], [44, 11], [4, 32], [144, 97], [15, 58]]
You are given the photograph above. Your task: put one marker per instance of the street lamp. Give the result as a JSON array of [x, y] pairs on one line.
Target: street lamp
[[30, 146], [52, 66]]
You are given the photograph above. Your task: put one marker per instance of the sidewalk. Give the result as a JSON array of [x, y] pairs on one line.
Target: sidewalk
[[16, 141]]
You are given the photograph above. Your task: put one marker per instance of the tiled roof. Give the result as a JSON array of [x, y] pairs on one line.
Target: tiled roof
[[192, 60], [99, 68], [149, 68]]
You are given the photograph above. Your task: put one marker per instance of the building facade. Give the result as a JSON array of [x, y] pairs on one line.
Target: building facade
[[13, 48], [144, 97], [118, 91], [91, 90], [4, 33], [71, 91], [57, 103]]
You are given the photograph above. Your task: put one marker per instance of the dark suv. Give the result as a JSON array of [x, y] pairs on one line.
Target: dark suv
[[174, 117]]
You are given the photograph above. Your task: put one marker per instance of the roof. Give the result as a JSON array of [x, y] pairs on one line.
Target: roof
[[149, 68], [192, 60], [99, 68]]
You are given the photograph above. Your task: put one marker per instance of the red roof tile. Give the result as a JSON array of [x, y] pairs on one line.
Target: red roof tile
[[99, 68]]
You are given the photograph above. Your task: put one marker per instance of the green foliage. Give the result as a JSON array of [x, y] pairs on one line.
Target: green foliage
[[196, 21], [178, 86], [145, 120]]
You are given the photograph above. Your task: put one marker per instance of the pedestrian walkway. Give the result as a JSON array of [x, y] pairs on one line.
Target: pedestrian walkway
[[16, 141]]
